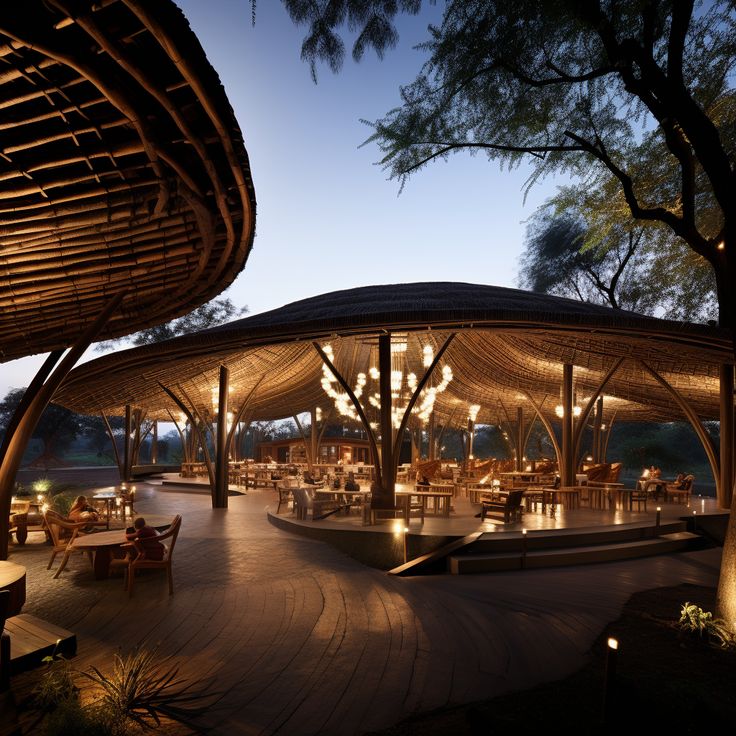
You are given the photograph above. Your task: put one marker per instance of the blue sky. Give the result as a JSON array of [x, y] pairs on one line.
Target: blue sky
[[328, 218]]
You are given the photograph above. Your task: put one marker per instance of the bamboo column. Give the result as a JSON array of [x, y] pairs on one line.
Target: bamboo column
[[597, 421], [520, 439], [567, 470], [727, 438], [126, 443], [154, 443], [432, 449], [314, 437], [219, 498]]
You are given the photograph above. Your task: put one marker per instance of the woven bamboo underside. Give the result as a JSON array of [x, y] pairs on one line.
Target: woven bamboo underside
[[121, 168], [502, 356]]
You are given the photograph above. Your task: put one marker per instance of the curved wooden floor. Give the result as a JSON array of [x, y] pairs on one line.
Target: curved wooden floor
[[300, 639]]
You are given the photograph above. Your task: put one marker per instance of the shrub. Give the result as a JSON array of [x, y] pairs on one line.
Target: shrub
[[695, 620]]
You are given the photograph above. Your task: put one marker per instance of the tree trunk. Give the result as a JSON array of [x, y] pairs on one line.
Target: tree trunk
[[726, 595]]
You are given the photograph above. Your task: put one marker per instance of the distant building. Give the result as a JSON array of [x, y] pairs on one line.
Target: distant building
[[332, 450]]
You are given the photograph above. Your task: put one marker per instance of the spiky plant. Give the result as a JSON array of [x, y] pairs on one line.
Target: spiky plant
[[142, 687]]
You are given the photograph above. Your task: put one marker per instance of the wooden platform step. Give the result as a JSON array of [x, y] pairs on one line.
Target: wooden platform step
[[496, 562], [32, 639]]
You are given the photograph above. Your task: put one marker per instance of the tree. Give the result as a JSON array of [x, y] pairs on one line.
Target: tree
[[627, 266], [57, 428], [211, 314], [638, 92]]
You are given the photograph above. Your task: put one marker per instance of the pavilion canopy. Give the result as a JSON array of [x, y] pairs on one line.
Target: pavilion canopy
[[122, 169], [508, 351]]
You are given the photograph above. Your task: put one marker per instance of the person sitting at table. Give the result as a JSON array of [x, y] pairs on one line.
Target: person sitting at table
[[82, 511], [309, 479], [422, 480], [152, 548], [350, 484]]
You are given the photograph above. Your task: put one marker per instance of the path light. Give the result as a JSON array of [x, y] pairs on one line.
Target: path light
[[659, 516], [523, 548], [609, 678], [406, 544]]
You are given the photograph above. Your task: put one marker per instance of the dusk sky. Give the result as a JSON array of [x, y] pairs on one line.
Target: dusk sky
[[328, 218]]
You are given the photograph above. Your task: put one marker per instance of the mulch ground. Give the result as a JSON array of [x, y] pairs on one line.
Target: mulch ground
[[665, 681]]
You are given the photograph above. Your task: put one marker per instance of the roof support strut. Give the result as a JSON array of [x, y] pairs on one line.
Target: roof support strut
[[42, 390]]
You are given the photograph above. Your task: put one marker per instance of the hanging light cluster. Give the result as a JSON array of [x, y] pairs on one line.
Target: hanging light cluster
[[343, 404], [473, 410], [425, 404]]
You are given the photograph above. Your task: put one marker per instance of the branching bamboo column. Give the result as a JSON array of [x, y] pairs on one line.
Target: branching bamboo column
[[28, 413]]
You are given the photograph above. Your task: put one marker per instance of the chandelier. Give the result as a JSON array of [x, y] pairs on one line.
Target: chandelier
[[399, 380]]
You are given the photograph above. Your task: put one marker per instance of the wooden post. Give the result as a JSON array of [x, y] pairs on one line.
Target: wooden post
[[469, 451], [219, 497], [126, 443], [432, 449], [314, 437], [154, 443], [597, 421], [520, 439], [385, 496], [727, 437], [567, 471]]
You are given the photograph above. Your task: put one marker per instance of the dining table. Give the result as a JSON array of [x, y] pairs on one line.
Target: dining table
[[102, 545], [108, 497]]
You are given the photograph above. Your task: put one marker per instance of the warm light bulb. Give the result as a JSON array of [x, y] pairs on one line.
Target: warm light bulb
[[612, 643]]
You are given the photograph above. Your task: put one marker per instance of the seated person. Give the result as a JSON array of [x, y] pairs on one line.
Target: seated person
[[82, 511], [336, 482], [350, 485], [152, 548], [423, 480], [308, 478]]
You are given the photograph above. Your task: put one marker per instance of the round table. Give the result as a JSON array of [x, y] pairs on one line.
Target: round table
[[102, 544], [13, 579]]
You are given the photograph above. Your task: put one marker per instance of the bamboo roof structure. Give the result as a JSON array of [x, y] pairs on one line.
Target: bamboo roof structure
[[508, 350], [122, 168]]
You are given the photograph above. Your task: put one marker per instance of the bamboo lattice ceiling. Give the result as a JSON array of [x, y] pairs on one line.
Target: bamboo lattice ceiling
[[508, 351], [121, 168]]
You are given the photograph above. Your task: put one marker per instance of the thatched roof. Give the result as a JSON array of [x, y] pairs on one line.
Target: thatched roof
[[122, 168], [508, 351]]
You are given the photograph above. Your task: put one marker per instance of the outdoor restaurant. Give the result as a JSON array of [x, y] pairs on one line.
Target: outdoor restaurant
[[405, 362]]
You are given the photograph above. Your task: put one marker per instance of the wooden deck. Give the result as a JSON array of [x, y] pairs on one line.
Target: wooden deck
[[298, 638]]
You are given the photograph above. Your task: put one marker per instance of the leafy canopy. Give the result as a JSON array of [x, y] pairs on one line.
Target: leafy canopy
[[211, 314], [614, 262], [641, 87]]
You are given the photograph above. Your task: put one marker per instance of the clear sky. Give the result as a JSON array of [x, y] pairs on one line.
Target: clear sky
[[328, 218]]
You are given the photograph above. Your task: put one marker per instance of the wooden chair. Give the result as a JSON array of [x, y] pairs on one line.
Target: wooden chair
[[284, 496], [62, 532], [509, 508], [639, 497], [139, 561], [680, 492]]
